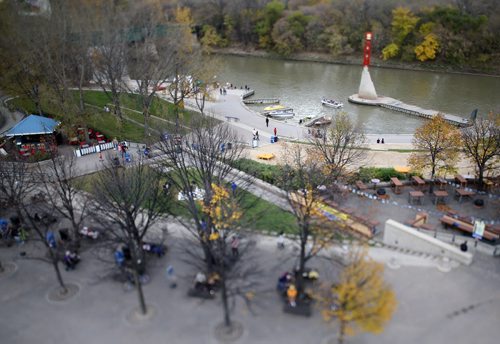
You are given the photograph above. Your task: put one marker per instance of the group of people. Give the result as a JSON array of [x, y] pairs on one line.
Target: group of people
[[255, 134], [286, 285], [380, 141]]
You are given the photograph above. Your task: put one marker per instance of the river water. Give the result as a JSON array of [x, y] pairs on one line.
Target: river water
[[301, 85]]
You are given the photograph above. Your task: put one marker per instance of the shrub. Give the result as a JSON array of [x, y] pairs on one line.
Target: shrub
[[383, 173]]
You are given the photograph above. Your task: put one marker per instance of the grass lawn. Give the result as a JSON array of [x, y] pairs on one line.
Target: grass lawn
[[258, 214], [107, 123]]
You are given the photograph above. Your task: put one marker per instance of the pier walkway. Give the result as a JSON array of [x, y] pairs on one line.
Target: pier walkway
[[397, 105]]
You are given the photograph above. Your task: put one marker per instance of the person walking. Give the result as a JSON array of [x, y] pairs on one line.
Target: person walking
[[267, 121], [171, 278], [235, 243], [275, 132]]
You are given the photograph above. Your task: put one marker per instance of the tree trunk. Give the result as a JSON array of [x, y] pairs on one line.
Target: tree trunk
[[341, 336], [433, 171], [481, 174], [81, 103], [55, 263], [140, 293], [302, 261], [225, 305]]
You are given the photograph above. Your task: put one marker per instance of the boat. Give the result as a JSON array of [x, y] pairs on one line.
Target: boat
[[319, 121], [332, 103], [274, 108], [282, 114]]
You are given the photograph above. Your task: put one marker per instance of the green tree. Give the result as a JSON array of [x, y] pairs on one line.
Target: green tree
[[264, 27]]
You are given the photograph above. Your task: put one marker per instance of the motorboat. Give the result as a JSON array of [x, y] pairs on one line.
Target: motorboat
[[286, 113], [332, 103], [318, 121], [274, 108]]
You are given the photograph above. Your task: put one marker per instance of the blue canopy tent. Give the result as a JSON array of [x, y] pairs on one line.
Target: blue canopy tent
[[33, 133], [33, 125]]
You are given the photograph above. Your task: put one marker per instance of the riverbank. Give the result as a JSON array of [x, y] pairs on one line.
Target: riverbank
[[357, 59]]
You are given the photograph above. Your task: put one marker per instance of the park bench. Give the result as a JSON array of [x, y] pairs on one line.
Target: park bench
[[464, 226], [232, 118], [420, 221], [361, 186]]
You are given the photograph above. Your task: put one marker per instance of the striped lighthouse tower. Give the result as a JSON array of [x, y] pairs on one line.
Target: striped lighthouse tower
[[366, 87]]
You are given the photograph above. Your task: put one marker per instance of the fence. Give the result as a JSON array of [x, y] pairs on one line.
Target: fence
[[93, 149]]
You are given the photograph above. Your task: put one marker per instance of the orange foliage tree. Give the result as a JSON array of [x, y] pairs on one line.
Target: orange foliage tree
[[436, 143]]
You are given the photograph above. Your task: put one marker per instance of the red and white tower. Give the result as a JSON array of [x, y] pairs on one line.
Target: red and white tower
[[366, 87]]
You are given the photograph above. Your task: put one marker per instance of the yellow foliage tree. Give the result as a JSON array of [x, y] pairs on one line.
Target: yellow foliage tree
[[390, 51], [361, 301], [428, 48], [210, 38], [222, 208], [436, 143]]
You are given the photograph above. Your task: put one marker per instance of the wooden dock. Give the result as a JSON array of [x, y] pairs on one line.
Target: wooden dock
[[396, 105], [248, 94], [262, 101]]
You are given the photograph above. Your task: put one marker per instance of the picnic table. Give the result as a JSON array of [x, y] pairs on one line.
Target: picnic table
[[440, 196], [415, 196], [396, 184], [441, 183], [461, 193], [419, 183], [461, 180]]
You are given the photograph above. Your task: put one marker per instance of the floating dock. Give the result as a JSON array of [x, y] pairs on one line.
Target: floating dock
[[262, 101], [248, 94], [397, 105]]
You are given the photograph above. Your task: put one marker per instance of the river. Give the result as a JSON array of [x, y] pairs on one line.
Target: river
[[301, 85]]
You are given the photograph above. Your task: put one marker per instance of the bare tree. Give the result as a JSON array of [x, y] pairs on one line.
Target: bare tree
[[481, 143], [303, 178], [16, 183], [150, 56], [202, 158], [109, 56], [340, 145], [131, 200], [63, 192]]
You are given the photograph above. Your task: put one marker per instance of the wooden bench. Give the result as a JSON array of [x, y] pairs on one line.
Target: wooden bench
[[232, 118], [461, 180], [419, 183], [441, 183], [420, 222], [361, 186], [396, 184], [448, 221]]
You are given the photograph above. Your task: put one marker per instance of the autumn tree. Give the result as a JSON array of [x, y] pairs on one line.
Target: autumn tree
[[235, 273], [268, 17], [202, 158], [481, 143], [360, 300], [340, 145], [436, 146], [302, 178], [403, 23], [132, 201]]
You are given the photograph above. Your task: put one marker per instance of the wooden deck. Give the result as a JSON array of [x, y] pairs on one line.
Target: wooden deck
[[262, 101]]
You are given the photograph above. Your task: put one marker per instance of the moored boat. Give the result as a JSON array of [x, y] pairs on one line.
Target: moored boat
[[332, 103], [282, 114], [274, 108]]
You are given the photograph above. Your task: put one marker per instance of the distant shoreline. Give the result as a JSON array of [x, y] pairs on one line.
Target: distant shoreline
[[355, 60]]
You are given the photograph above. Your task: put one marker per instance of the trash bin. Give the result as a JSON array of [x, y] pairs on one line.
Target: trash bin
[[229, 145], [276, 139], [272, 138]]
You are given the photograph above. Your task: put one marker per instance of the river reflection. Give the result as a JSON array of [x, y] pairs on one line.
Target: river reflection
[[301, 85]]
